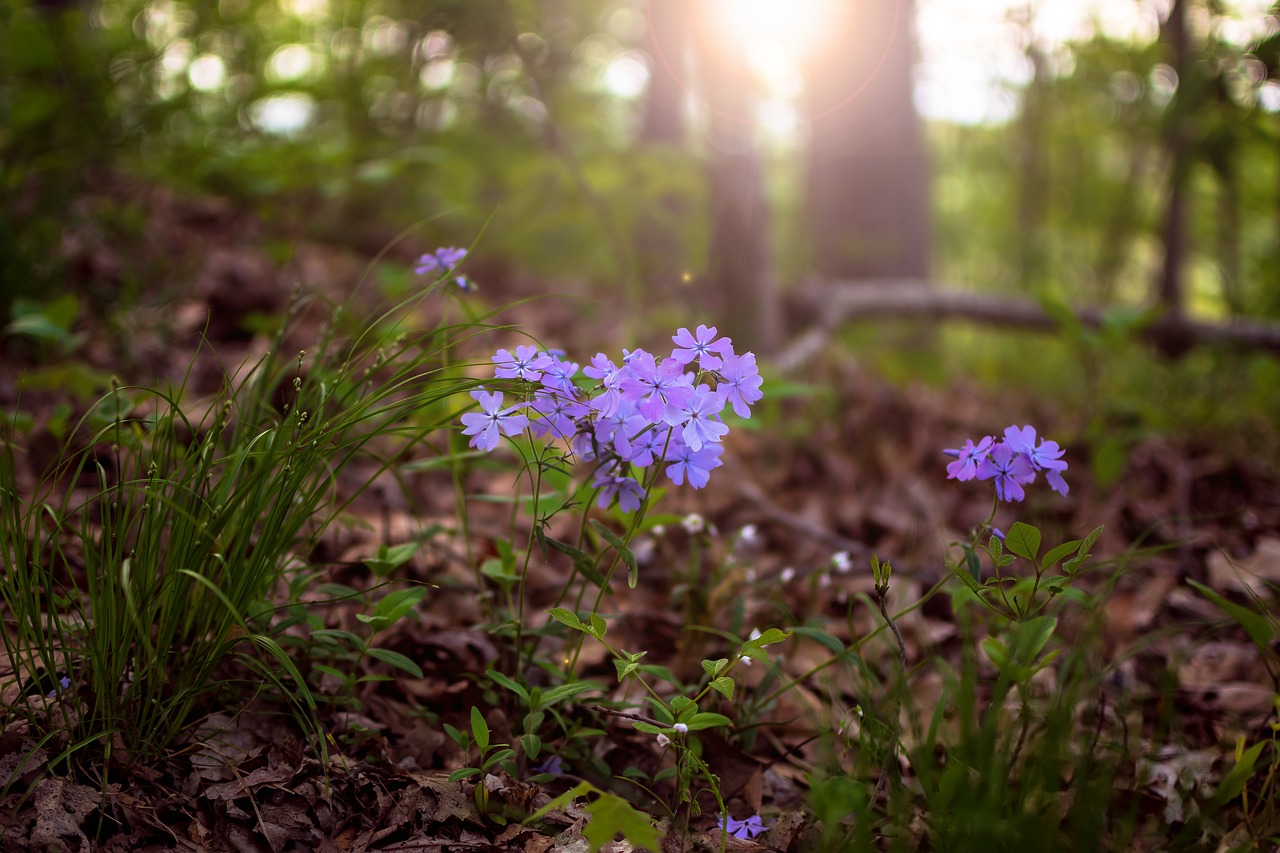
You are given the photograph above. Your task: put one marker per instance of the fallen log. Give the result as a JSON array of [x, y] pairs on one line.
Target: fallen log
[[838, 303]]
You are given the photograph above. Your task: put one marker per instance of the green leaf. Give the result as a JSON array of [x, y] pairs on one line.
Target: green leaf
[[633, 569], [1237, 777], [767, 638], [997, 652], [828, 641], [610, 815], [1023, 540], [397, 660], [532, 745], [724, 686], [391, 558], [463, 773], [479, 729], [713, 667], [1259, 629], [508, 683], [707, 720], [1059, 552], [598, 626], [561, 692], [566, 617]]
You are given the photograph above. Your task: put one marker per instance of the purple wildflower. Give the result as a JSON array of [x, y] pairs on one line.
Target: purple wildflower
[[749, 828], [1011, 472], [553, 764], [558, 375], [440, 261], [694, 464], [1046, 457], [701, 345], [559, 411], [629, 493], [703, 425], [656, 389], [484, 427], [966, 465], [740, 382], [526, 364]]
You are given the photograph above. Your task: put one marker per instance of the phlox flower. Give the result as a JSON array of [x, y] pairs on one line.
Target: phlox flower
[[1046, 457], [609, 375], [558, 375], [628, 492], [694, 464], [966, 465], [640, 443], [440, 261], [740, 382], [559, 411], [656, 389], [701, 345], [485, 426], [749, 828], [528, 363], [703, 424], [1010, 470]]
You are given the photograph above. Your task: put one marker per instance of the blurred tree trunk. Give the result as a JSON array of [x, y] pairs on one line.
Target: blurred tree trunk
[[1170, 286], [1034, 184], [868, 182], [663, 122], [739, 284]]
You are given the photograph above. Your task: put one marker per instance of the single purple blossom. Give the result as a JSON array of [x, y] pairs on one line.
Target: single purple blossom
[[749, 828], [440, 261], [694, 464], [703, 412], [966, 465], [1047, 456], [740, 382], [640, 442], [527, 364], [629, 493], [558, 375], [559, 411], [701, 345], [485, 427], [656, 389], [1011, 472], [553, 764]]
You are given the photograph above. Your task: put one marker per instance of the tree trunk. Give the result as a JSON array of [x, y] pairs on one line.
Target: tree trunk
[[868, 183], [663, 122], [739, 284]]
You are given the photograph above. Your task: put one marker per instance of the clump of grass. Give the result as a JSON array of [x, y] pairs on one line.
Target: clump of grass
[[159, 545]]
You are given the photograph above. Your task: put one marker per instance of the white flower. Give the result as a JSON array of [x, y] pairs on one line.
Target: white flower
[[840, 560], [788, 575], [824, 580], [754, 635], [664, 741], [659, 530], [694, 523], [681, 728]]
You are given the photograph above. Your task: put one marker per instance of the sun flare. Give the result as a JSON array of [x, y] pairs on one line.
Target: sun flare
[[774, 37]]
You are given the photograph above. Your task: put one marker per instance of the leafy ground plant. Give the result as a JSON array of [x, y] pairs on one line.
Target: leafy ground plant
[[168, 538]]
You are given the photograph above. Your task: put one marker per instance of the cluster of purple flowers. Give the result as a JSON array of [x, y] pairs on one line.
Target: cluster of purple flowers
[[636, 414], [1012, 462], [441, 263]]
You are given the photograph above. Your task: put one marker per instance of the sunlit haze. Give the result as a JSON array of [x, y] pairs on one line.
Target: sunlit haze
[[972, 52]]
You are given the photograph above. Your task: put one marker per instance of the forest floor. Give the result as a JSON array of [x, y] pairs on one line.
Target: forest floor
[[858, 471]]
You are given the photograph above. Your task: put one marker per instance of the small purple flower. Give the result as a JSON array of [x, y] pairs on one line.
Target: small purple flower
[[466, 285], [655, 389], [1011, 472], [440, 261], [528, 363], [553, 764], [484, 427], [629, 493], [695, 464], [559, 411], [749, 828], [1046, 457], [558, 375], [639, 442], [966, 465], [701, 345], [740, 382], [703, 412]]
